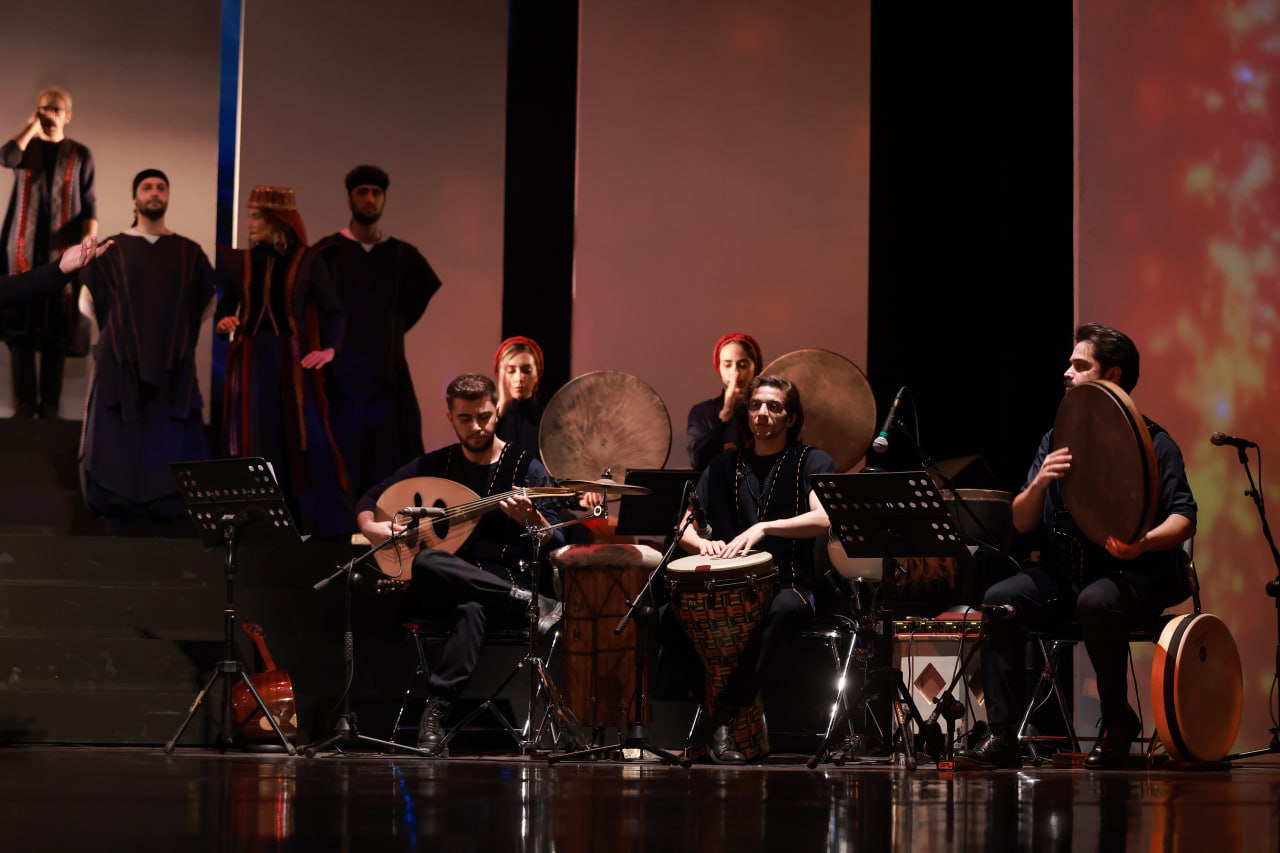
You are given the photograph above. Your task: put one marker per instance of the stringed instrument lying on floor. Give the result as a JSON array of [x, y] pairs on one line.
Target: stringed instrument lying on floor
[[460, 512], [276, 690]]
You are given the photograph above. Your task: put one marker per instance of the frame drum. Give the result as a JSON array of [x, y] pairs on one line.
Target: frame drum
[[1113, 486], [1197, 690]]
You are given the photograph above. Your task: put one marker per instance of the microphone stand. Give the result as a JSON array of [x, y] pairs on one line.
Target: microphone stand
[[1273, 590], [637, 736], [346, 732]]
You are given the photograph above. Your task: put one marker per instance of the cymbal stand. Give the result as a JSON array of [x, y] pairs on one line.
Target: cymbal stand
[[558, 718], [1273, 590]]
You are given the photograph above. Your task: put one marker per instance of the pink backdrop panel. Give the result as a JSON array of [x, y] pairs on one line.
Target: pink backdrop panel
[[723, 181], [420, 90]]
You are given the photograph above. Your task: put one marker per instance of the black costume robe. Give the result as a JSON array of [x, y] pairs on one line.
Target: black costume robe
[[145, 408], [374, 411], [51, 200]]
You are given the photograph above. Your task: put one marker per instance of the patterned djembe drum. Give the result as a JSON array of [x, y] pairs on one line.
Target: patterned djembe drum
[[719, 602]]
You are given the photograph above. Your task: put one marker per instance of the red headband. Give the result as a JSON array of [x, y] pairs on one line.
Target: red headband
[[509, 343], [744, 339]]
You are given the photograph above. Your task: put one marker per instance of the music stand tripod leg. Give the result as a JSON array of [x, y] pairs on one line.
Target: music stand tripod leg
[[191, 712]]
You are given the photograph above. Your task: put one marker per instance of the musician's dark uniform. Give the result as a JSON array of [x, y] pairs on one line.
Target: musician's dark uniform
[[738, 489], [472, 588], [1108, 594]]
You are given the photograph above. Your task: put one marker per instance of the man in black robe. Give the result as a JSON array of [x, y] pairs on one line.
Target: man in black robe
[[51, 207], [762, 499], [488, 580], [145, 410], [384, 284]]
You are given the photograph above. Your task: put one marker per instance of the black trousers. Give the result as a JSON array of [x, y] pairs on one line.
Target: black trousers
[[445, 586], [42, 395], [1105, 609]]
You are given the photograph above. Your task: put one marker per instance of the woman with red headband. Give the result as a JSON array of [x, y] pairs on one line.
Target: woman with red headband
[[517, 368], [719, 424]]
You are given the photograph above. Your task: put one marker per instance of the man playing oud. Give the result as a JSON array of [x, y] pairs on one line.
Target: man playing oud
[[489, 580]]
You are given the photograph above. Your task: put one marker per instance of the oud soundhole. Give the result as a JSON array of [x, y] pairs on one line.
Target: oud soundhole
[[440, 526]]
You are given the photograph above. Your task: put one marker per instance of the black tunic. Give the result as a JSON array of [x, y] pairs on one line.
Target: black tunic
[[519, 424], [46, 214], [740, 488], [374, 409], [145, 408], [709, 436]]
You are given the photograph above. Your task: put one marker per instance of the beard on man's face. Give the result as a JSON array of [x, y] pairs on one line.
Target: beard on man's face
[[363, 217], [152, 210]]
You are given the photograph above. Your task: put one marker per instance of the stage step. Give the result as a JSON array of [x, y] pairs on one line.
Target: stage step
[[41, 662], [40, 479]]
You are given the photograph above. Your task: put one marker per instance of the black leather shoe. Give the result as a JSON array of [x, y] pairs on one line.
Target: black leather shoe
[[1112, 746], [722, 748], [431, 729], [998, 750]]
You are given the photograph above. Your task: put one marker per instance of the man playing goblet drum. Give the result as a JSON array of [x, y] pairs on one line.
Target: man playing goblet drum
[[761, 499], [1109, 589]]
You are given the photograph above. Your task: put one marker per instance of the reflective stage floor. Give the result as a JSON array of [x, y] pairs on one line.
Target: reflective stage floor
[[141, 799]]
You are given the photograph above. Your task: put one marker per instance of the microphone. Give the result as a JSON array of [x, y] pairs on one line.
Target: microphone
[[881, 443], [422, 511], [699, 516], [1221, 439]]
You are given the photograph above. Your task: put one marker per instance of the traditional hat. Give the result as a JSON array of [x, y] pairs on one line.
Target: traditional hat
[[273, 198]]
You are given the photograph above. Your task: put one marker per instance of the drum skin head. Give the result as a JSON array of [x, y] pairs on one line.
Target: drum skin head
[[1197, 689], [839, 408], [1113, 486], [606, 419]]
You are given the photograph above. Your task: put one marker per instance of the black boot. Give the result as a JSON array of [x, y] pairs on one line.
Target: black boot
[[431, 729], [999, 749], [722, 748], [1112, 746], [549, 610]]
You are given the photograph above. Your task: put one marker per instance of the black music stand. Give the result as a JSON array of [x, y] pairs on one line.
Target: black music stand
[[886, 515], [651, 514], [233, 502]]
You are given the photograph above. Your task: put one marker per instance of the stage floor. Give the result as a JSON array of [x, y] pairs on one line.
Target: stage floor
[[140, 799]]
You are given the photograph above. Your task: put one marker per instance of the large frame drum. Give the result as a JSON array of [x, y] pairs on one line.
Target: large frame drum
[[720, 602]]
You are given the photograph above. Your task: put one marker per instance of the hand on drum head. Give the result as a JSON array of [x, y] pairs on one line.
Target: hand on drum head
[[711, 547], [1125, 550], [744, 541]]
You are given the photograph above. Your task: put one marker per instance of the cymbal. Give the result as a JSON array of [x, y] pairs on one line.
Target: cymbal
[[606, 486], [604, 420], [839, 408]]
